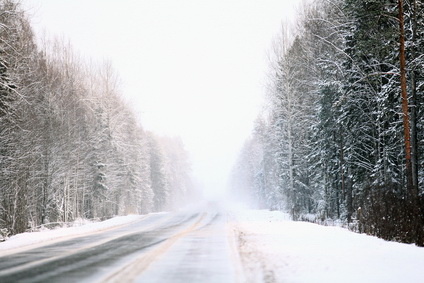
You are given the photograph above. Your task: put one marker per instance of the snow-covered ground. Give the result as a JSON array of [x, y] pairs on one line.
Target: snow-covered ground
[[275, 249], [80, 227]]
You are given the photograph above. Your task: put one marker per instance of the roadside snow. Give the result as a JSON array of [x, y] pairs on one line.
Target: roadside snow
[[81, 227], [275, 249]]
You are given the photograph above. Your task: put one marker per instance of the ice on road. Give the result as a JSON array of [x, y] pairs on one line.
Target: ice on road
[[206, 253]]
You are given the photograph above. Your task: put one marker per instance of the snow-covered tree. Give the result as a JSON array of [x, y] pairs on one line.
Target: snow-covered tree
[[158, 174], [69, 145], [335, 116]]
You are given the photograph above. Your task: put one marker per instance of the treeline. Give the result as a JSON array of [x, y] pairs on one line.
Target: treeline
[[69, 146], [333, 141]]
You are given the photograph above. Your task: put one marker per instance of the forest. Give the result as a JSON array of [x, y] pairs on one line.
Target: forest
[[70, 146], [341, 137]]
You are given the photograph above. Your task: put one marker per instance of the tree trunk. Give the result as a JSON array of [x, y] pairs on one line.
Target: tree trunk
[[416, 227], [414, 104], [405, 110]]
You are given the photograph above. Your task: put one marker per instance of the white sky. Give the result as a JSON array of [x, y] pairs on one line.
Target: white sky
[[192, 68]]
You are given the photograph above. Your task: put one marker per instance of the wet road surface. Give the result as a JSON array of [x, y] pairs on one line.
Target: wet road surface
[[188, 246]]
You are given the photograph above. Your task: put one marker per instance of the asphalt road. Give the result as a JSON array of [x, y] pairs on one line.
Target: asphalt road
[[187, 246]]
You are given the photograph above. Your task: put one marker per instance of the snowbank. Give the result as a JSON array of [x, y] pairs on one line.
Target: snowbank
[[80, 227], [287, 251]]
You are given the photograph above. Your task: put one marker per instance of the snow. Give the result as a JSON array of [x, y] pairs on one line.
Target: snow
[[272, 248], [80, 227], [287, 251]]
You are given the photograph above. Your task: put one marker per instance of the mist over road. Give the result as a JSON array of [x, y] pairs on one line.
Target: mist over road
[[186, 246]]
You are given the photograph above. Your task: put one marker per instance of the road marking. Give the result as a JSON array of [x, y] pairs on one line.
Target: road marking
[[131, 271], [65, 238], [75, 251]]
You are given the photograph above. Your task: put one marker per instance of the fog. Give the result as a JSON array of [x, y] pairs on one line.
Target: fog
[[194, 69]]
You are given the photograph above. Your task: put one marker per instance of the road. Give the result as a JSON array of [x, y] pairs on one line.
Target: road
[[187, 246]]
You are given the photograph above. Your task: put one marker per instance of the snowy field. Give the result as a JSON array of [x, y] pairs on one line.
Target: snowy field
[[274, 249]]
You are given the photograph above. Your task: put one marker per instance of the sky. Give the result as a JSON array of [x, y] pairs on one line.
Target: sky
[[189, 68]]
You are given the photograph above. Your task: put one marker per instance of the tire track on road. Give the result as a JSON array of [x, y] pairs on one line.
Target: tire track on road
[[134, 269]]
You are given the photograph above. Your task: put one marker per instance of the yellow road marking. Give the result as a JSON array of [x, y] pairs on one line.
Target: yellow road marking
[[132, 270]]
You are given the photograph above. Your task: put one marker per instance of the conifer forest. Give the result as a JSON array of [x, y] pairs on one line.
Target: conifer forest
[[341, 137]]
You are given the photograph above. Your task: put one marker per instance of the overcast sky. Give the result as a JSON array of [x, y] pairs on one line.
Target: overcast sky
[[191, 68]]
